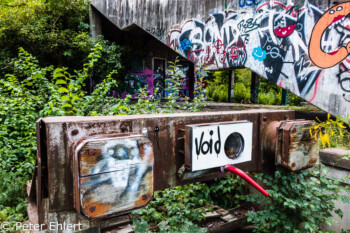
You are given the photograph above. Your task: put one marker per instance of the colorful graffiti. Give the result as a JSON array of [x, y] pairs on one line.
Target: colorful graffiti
[[335, 26], [135, 81], [154, 82], [302, 50]]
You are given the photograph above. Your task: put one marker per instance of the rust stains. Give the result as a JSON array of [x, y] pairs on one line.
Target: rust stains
[[96, 209], [116, 174], [293, 146]]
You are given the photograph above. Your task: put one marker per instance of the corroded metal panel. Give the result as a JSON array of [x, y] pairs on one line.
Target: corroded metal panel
[[299, 149], [291, 144], [113, 175]]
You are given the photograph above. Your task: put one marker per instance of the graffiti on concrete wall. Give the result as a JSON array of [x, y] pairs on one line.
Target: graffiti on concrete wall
[[302, 50], [135, 81], [330, 45], [156, 31], [154, 82]]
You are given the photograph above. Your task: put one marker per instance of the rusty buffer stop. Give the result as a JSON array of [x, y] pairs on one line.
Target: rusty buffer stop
[[93, 171], [113, 174]]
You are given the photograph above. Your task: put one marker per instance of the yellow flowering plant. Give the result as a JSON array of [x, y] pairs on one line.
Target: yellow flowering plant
[[332, 132]]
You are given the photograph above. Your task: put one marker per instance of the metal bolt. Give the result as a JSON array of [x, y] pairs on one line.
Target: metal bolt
[[92, 209], [265, 118], [74, 132], [144, 197], [91, 152]]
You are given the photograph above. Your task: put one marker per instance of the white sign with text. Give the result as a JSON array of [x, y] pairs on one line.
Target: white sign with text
[[218, 144]]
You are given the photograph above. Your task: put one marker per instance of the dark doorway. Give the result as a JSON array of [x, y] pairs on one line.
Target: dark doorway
[[159, 76]]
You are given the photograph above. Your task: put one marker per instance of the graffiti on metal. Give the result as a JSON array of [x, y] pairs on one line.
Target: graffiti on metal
[[115, 175], [218, 144]]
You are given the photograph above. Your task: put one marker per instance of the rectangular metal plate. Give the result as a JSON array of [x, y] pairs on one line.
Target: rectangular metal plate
[[217, 144], [299, 149], [114, 175]]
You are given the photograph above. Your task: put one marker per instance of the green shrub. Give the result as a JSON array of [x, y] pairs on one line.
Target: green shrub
[[20, 103], [113, 57], [269, 93], [241, 93], [243, 76], [298, 202], [220, 93], [269, 98], [175, 209], [294, 100], [227, 192], [217, 88], [55, 31]]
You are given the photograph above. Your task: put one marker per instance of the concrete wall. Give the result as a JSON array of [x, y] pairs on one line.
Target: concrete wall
[[301, 46], [338, 170]]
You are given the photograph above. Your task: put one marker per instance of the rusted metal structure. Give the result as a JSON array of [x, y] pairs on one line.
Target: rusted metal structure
[[291, 143], [94, 170]]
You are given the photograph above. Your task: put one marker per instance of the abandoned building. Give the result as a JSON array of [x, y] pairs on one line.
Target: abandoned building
[[282, 41], [95, 170]]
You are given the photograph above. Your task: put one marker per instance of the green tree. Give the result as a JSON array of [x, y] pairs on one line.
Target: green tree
[[55, 31]]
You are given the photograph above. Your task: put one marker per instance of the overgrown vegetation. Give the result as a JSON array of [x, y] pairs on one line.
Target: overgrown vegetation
[[50, 91], [179, 209], [218, 86], [56, 31], [31, 92], [227, 192], [269, 93], [53, 75], [174, 210], [300, 201]]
